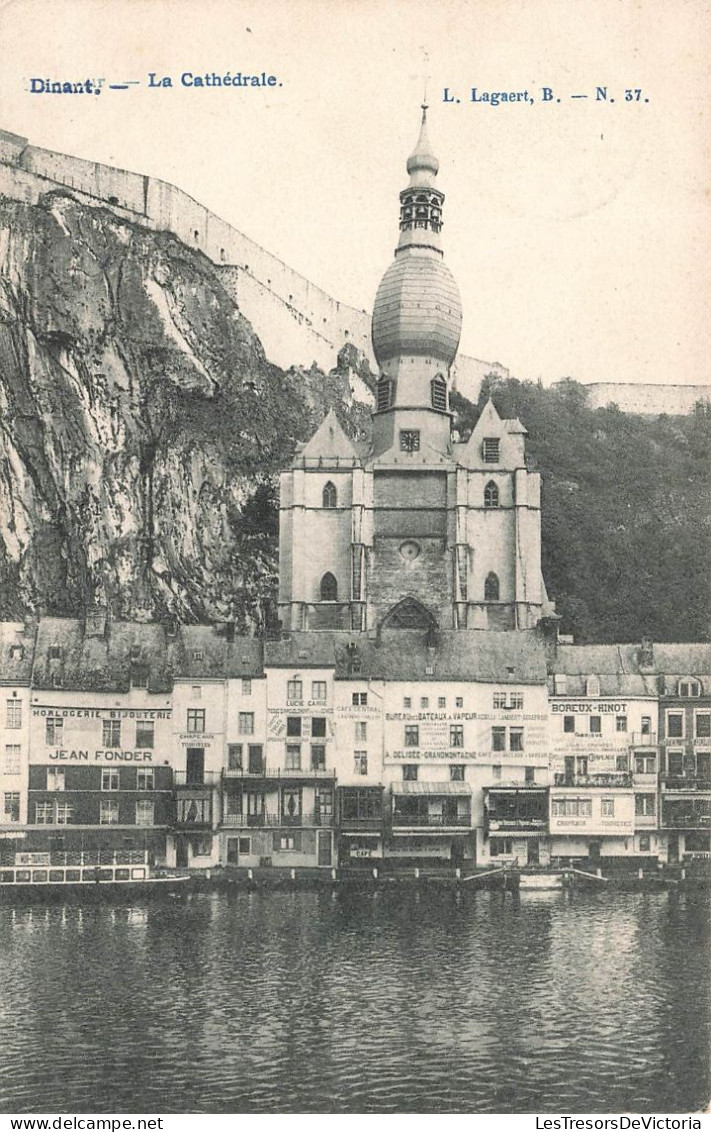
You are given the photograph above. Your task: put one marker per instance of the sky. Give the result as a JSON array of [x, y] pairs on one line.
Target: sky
[[578, 230]]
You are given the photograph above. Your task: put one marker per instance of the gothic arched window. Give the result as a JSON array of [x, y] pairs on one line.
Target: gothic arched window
[[438, 388], [329, 588], [491, 495], [330, 495], [491, 588]]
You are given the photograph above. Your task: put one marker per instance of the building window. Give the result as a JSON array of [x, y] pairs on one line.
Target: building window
[[329, 498], [54, 730], [508, 701], [318, 727], [412, 735], [44, 813], [234, 756], [323, 801], [409, 772], [318, 756], [246, 686], [245, 723], [407, 701], [688, 689], [620, 722], [459, 701], [318, 691], [329, 588], [196, 720], [361, 731], [109, 813], [14, 714], [645, 764], [17, 652], [500, 847], [490, 450], [569, 724], [438, 393], [675, 724], [287, 842], [255, 758], [55, 778], [496, 771], [359, 699], [145, 812], [145, 734], [621, 763], [675, 763], [11, 765], [424, 702], [571, 807], [409, 440], [290, 802], [456, 772], [529, 774], [293, 756], [54, 652], [595, 725], [12, 805], [491, 495], [646, 725], [293, 726], [196, 692], [64, 813], [441, 702], [491, 587], [145, 778], [703, 725], [645, 805], [109, 779], [498, 738], [607, 807], [111, 732], [198, 654], [456, 735], [360, 762], [294, 689], [516, 739]]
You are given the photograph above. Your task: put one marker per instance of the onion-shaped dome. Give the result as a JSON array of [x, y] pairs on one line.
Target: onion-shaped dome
[[417, 310], [422, 159]]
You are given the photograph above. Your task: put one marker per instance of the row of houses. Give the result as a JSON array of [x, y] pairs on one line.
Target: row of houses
[[331, 750]]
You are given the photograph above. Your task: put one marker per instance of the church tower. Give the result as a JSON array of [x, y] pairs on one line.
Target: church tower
[[422, 531]]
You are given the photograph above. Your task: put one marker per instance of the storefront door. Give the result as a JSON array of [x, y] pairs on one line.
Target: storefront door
[[324, 847]]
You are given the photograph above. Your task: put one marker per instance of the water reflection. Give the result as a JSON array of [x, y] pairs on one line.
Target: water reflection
[[357, 1002]]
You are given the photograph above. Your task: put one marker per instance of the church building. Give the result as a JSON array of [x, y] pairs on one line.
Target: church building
[[423, 530]]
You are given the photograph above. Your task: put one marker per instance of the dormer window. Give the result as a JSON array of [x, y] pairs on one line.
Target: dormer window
[[491, 450], [491, 495], [409, 440], [135, 652], [592, 686], [689, 689], [438, 390], [330, 495], [198, 654], [55, 652], [16, 652]]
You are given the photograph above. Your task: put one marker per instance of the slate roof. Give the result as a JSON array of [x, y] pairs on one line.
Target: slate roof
[[620, 671], [403, 654]]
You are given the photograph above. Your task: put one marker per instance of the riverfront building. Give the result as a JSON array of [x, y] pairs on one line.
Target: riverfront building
[[416, 706]]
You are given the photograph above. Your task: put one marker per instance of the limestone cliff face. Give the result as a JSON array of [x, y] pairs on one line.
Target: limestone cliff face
[[141, 427]]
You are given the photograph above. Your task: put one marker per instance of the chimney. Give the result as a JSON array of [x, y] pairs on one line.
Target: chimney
[[95, 622]]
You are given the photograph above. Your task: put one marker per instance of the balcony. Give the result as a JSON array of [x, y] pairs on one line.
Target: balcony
[[643, 739], [621, 780], [361, 825], [183, 779], [274, 821], [276, 774], [686, 782], [431, 821], [686, 816]]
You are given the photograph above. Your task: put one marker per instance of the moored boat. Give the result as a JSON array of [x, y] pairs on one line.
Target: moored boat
[[45, 882]]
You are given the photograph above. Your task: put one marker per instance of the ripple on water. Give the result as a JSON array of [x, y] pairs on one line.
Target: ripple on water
[[302, 1003]]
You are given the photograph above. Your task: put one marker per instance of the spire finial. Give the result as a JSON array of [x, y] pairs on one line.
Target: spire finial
[[422, 160]]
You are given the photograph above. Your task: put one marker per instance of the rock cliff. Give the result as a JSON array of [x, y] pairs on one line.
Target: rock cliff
[[141, 427]]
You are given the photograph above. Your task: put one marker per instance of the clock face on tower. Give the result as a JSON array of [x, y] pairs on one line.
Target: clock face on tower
[[409, 440]]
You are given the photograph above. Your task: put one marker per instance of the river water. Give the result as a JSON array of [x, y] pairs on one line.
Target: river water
[[318, 1002]]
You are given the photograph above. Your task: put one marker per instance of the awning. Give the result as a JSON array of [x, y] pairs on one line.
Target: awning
[[433, 788]]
